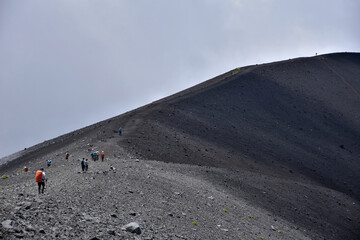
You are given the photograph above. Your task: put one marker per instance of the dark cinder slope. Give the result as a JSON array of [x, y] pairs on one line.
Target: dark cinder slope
[[297, 116]]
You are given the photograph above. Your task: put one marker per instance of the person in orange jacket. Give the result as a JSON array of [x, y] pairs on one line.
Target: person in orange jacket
[[40, 179]]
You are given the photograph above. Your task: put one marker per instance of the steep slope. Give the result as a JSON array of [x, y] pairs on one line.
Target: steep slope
[[297, 116], [284, 137]]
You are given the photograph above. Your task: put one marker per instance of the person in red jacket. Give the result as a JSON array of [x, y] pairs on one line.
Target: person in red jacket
[[40, 179], [102, 155]]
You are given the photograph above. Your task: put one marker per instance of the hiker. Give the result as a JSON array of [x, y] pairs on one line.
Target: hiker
[[67, 156], [120, 131], [93, 156], [49, 162], [102, 155], [83, 164], [86, 165], [40, 179], [97, 155]]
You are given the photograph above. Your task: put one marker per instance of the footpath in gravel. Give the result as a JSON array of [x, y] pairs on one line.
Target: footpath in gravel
[[168, 201]]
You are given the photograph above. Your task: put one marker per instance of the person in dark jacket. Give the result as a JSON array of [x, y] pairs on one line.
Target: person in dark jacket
[[83, 164], [86, 165]]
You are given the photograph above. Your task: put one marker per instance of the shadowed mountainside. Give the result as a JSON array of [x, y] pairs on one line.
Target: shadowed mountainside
[[301, 115], [294, 124]]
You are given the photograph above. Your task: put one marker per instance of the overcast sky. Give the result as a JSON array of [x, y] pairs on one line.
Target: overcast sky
[[66, 64]]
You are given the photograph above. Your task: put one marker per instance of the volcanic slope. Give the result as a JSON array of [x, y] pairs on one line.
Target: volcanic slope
[[279, 139]]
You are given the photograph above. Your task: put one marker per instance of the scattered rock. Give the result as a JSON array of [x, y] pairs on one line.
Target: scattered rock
[[30, 228], [8, 224], [87, 217], [19, 235], [42, 231], [132, 227], [111, 232], [27, 205]]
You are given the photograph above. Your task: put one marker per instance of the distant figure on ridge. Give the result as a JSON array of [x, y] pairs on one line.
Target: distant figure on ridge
[[48, 162], [67, 156], [102, 155], [120, 131], [86, 165], [40, 179], [83, 164]]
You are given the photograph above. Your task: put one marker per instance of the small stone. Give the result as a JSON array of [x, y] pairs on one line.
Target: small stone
[[29, 228], [17, 209], [42, 231], [113, 215], [7, 224], [111, 232], [211, 198], [132, 227], [19, 235], [27, 205], [132, 213]]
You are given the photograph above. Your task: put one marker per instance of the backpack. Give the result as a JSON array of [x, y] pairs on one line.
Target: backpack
[[39, 176]]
